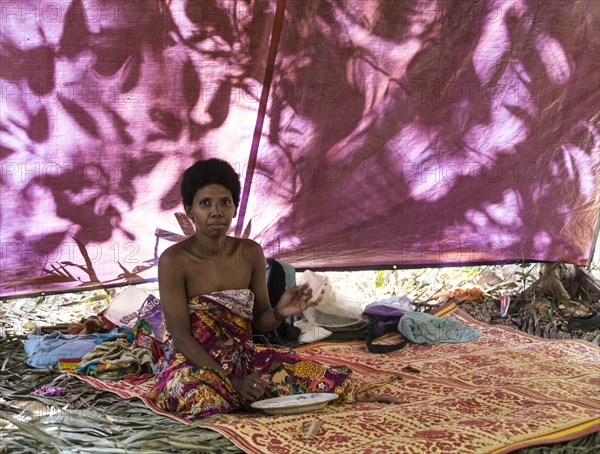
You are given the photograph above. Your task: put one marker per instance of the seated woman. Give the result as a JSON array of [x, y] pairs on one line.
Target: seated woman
[[213, 289]]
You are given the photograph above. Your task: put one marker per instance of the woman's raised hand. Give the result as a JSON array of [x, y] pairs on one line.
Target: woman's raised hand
[[297, 299]]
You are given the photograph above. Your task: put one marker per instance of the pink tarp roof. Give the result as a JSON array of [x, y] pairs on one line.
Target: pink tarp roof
[[366, 132]]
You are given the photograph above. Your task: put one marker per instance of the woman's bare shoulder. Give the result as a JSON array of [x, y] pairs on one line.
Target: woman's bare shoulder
[[250, 246], [173, 254]]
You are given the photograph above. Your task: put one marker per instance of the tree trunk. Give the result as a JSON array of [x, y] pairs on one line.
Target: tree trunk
[[549, 284]]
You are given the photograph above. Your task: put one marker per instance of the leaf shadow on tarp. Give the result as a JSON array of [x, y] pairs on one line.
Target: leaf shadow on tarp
[[120, 104], [370, 197], [342, 106]]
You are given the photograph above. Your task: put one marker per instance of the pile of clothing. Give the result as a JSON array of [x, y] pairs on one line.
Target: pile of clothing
[[123, 342]]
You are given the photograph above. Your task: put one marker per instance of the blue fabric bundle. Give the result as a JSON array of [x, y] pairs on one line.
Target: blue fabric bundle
[[423, 328], [45, 351]]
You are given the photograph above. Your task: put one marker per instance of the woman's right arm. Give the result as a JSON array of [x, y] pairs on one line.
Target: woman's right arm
[[173, 301]]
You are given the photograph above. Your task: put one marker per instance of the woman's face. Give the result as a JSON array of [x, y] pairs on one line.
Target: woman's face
[[212, 210]]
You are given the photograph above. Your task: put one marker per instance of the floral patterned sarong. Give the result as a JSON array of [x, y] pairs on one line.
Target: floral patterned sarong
[[222, 323]]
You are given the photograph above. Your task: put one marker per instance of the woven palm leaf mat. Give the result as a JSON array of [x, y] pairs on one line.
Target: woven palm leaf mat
[[504, 391]]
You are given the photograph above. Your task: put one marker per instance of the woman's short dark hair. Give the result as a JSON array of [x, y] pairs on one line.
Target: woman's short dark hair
[[210, 171]]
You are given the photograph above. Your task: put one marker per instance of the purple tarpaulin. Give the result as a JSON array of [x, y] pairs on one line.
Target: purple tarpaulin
[[368, 132]]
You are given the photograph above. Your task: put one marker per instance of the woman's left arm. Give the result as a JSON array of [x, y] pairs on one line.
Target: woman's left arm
[[264, 317], [292, 302]]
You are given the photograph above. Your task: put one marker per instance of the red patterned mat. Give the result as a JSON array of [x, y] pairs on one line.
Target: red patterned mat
[[503, 391]]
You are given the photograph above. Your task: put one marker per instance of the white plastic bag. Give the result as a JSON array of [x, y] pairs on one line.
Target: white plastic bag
[[338, 310], [311, 332], [133, 304]]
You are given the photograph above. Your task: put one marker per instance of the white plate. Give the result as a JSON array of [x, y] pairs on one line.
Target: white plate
[[296, 404]]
